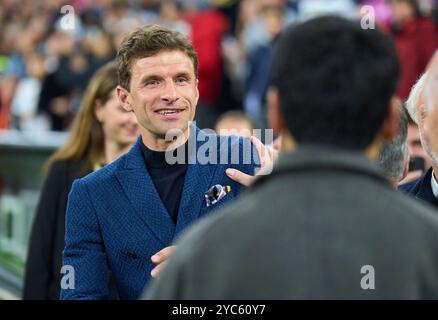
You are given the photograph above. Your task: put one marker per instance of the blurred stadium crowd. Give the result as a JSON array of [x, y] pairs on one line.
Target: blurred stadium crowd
[[44, 68]]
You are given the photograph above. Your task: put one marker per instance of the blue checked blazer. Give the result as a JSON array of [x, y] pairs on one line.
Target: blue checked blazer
[[116, 220]]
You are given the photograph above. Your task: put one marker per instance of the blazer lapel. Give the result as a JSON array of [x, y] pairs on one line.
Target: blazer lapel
[[143, 196], [197, 181]]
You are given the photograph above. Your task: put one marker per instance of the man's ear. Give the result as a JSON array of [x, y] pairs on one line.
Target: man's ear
[[275, 117], [125, 98], [390, 125]]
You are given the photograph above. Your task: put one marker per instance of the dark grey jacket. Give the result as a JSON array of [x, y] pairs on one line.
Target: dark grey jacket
[[319, 227]]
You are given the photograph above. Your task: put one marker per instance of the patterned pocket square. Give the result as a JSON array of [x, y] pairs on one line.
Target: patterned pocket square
[[216, 193]]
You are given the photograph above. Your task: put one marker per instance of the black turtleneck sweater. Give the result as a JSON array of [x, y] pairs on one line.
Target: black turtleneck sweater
[[168, 179]]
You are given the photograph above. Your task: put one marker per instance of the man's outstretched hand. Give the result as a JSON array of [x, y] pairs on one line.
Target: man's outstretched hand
[[268, 156]]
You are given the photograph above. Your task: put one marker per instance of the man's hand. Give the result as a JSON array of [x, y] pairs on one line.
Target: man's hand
[[160, 259], [268, 156], [411, 176]]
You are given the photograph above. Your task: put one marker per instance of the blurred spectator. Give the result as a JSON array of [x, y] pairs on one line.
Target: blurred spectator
[[382, 10], [311, 8], [119, 20], [230, 8], [419, 159], [208, 26], [253, 29], [101, 133], [425, 187], [171, 17], [414, 145], [416, 39], [69, 57], [232, 39], [259, 64], [75, 63], [429, 114], [25, 101], [234, 122]]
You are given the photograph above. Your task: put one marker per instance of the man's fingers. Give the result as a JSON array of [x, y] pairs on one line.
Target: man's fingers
[[240, 177], [276, 148], [155, 271], [267, 156], [160, 259], [261, 150], [411, 176], [163, 255], [277, 143]]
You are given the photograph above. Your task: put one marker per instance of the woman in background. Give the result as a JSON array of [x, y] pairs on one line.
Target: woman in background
[[101, 132]]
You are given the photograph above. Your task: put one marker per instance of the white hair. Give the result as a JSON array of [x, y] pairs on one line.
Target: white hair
[[414, 97], [412, 106]]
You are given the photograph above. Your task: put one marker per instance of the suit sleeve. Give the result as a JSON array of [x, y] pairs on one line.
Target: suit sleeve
[[40, 254], [84, 259]]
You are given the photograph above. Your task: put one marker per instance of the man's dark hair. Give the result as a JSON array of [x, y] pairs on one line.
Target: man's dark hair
[[335, 81]]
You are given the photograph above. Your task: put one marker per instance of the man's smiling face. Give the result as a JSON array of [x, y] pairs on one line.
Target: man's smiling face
[[163, 93]]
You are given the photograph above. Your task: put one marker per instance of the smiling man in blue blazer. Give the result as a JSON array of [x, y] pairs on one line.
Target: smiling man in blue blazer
[[122, 215]]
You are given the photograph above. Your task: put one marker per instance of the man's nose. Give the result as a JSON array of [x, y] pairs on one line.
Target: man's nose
[[170, 94]]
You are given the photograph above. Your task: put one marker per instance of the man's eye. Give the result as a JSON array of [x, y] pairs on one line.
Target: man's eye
[[152, 83], [181, 80]]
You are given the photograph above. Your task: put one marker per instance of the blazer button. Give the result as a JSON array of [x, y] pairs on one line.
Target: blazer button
[[131, 255]]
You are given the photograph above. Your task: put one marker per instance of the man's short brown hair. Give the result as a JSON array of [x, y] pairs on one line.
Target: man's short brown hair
[[148, 41]]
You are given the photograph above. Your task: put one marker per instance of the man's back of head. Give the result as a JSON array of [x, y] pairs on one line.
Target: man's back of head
[[335, 82]]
